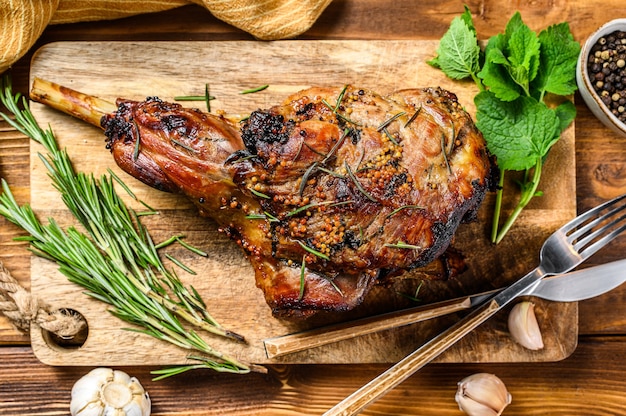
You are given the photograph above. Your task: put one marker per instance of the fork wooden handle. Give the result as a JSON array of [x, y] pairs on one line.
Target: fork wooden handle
[[287, 344], [399, 372]]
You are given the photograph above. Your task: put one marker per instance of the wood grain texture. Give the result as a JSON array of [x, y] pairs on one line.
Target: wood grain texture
[[575, 386], [287, 66]]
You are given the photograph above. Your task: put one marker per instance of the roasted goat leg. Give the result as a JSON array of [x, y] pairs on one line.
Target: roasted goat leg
[[327, 193]]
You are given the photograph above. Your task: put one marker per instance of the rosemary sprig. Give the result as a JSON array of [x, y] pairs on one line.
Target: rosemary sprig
[[390, 136], [180, 264], [130, 192], [302, 275], [402, 244], [443, 152], [335, 108], [316, 204], [413, 297], [330, 172], [116, 261], [253, 90], [179, 239], [259, 193], [336, 146], [313, 251], [183, 145], [403, 207], [264, 216], [305, 177], [206, 97], [340, 97], [137, 142], [390, 120], [413, 117], [358, 184]]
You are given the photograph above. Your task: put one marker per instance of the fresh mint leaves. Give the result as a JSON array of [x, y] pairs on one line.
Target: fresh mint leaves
[[515, 73], [558, 56], [520, 131], [458, 53]]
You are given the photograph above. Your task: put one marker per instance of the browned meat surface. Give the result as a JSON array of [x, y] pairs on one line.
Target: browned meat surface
[[328, 193]]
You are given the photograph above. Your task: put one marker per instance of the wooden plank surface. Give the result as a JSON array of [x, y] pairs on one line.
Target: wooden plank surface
[[590, 381], [167, 69]]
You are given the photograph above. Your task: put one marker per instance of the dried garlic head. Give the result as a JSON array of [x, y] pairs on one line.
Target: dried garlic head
[[104, 391], [523, 326], [482, 394]]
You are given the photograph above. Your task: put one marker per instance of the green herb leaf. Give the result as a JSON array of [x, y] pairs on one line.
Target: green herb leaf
[[519, 69], [458, 53], [557, 66], [566, 112], [511, 61], [517, 132], [523, 47]]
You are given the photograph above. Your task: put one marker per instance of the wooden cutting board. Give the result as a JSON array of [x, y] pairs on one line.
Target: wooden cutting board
[[225, 279]]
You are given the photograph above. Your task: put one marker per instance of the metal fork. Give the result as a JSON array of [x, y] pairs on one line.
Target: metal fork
[[565, 249]]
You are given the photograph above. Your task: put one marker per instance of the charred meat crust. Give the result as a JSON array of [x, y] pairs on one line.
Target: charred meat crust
[[364, 196], [334, 189]]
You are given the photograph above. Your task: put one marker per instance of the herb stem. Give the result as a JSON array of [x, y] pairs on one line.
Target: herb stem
[[495, 221], [529, 190]]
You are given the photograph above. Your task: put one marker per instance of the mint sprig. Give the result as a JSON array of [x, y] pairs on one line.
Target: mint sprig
[[515, 73]]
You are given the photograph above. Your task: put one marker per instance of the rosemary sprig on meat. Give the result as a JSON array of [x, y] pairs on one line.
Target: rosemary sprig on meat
[[390, 120], [116, 260]]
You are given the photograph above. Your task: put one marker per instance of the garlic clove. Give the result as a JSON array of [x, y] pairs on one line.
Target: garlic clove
[[482, 394], [523, 326], [107, 392]]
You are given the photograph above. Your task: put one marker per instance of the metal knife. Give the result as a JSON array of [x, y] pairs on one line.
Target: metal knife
[[569, 287]]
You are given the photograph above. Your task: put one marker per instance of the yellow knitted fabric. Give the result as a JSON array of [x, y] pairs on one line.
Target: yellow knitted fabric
[[23, 21]]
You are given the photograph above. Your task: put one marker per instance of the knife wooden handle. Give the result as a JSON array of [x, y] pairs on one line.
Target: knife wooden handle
[[275, 347], [399, 372]]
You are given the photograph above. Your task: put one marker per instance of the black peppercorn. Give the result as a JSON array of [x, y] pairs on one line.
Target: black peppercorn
[[607, 69]]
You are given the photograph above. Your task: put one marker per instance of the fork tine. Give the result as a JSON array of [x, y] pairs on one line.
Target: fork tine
[[582, 238], [588, 231], [581, 224], [587, 251]]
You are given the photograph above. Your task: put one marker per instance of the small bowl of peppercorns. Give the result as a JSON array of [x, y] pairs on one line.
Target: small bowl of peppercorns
[[601, 74]]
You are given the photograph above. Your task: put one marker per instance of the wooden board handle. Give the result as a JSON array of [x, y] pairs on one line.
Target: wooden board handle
[[399, 372], [287, 344]]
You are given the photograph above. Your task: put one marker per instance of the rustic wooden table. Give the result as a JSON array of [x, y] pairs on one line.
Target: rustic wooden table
[[589, 382]]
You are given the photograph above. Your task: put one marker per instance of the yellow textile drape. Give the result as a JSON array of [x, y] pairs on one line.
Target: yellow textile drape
[[23, 21]]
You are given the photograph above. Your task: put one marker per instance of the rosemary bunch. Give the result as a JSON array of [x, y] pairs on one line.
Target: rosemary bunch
[[116, 260]]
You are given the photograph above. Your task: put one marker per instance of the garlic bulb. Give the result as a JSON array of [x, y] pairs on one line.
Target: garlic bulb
[[482, 394], [104, 391], [523, 326]]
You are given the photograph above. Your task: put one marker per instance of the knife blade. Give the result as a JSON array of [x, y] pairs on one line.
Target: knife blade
[[568, 287], [581, 284]]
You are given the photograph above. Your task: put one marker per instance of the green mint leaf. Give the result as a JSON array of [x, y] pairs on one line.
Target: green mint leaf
[[523, 49], [566, 112], [466, 16], [495, 74], [458, 53], [512, 60], [557, 67], [518, 133]]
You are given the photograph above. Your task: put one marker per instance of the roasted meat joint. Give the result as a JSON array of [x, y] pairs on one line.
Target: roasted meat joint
[[327, 193]]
